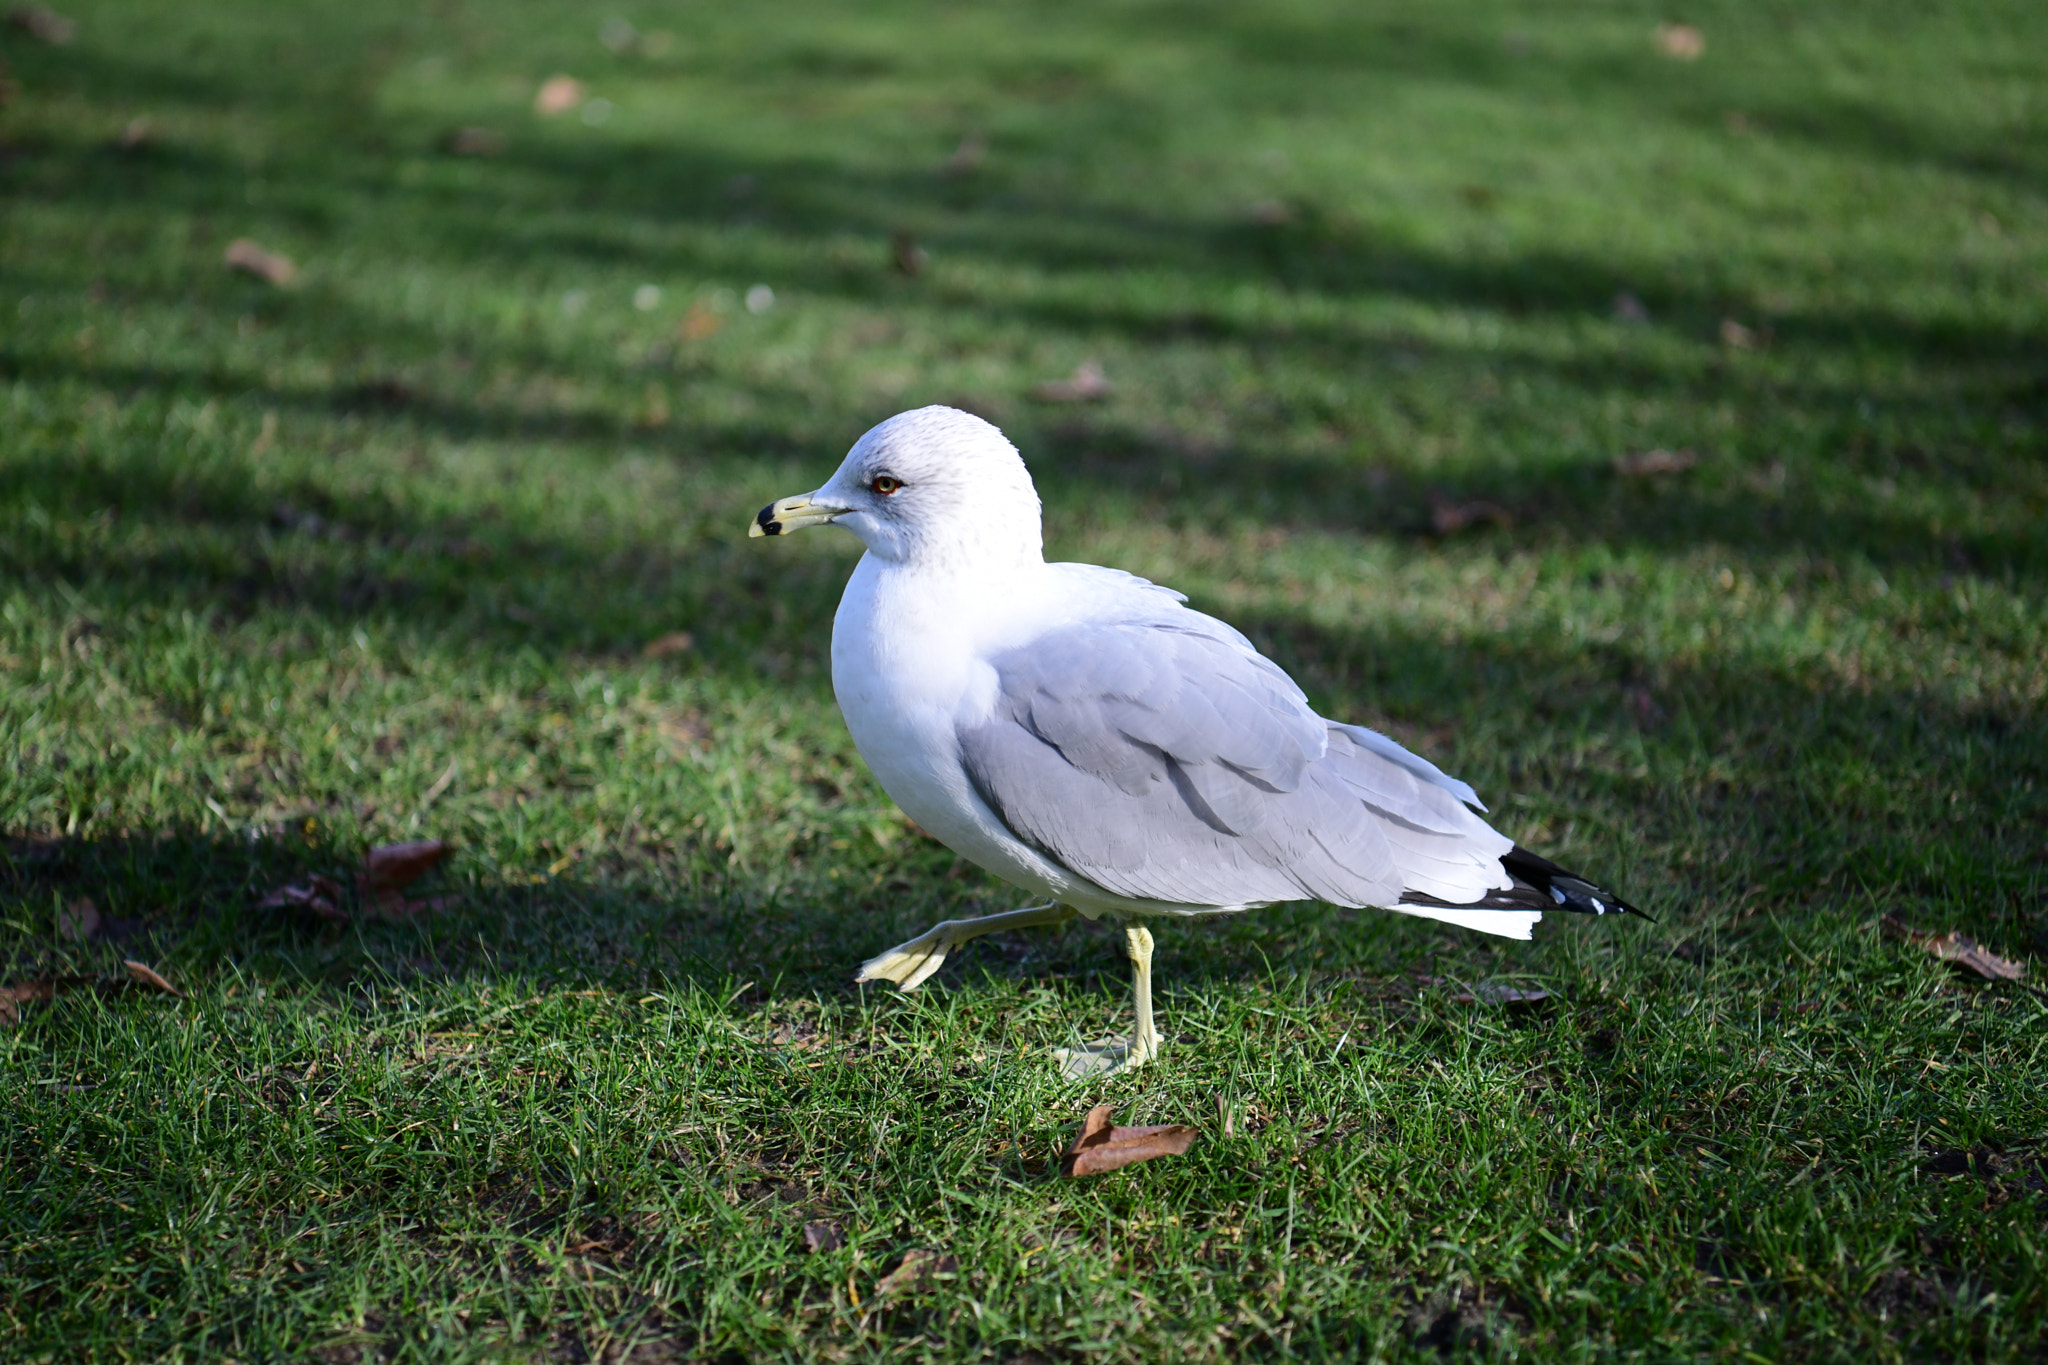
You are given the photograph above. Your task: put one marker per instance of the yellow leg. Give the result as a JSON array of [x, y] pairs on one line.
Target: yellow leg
[[1112, 1056], [1144, 1040], [909, 964]]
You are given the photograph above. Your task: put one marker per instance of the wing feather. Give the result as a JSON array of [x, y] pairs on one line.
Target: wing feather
[[1165, 759]]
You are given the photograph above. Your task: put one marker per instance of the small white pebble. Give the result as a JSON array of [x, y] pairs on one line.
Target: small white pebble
[[647, 297], [760, 299]]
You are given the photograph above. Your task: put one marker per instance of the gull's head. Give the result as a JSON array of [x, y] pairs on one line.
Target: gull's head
[[934, 484]]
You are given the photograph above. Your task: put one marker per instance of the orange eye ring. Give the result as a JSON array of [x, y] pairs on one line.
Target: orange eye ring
[[885, 484]]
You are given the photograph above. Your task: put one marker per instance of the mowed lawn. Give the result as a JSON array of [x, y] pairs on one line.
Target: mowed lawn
[[1396, 305]]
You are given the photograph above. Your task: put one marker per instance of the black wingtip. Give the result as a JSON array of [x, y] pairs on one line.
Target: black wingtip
[[1564, 889]]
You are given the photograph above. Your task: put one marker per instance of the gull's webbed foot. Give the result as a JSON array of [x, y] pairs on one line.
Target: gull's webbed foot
[[1103, 1057], [910, 964], [1114, 1056]]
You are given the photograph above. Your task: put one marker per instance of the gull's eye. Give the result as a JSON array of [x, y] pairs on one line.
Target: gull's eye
[[885, 484]]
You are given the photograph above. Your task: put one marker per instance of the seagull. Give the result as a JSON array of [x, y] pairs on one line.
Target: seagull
[[1086, 736]]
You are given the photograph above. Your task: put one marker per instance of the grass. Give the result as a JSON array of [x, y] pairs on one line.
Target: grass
[[286, 572]]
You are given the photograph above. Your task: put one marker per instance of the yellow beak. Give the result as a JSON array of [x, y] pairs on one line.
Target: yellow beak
[[792, 514]]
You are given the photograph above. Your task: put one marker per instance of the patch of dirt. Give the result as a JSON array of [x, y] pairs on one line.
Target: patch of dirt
[[2004, 1174], [1461, 1318], [1900, 1293]]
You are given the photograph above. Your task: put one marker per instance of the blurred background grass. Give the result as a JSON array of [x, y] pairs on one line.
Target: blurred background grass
[[1387, 297]]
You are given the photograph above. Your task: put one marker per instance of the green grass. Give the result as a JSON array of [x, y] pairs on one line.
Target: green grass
[[275, 562]]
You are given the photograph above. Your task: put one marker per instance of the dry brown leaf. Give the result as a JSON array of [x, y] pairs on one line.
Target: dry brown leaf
[[79, 921], [148, 976], [1494, 993], [1957, 948], [823, 1237], [1744, 338], [392, 905], [269, 266], [1448, 518], [675, 642], [1659, 461], [1084, 385], [558, 95], [699, 322], [134, 133], [320, 896], [910, 258], [391, 867], [42, 988], [43, 23], [475, 141], [1681, 41], [966, 158], [1100, 1147], [917, 1266]]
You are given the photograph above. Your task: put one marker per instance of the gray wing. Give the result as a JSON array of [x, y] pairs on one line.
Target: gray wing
[[1167, 760]]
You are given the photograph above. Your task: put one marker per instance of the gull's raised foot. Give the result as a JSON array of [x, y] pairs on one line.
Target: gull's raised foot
[[911, 964]]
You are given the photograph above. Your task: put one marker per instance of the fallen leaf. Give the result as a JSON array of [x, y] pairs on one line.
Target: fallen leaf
[[1643, 704], [966, 158], [43, 988], [391, 867], [79, 921], [148, 976], [917, 1266], [441, 783], [1628, 308], [43, 23], [1494, 993], [1448, 518], [1085, 384], [134, 133], [910, 258], [1961, 950], [675, 642], [1744, 338], [269, 266], [50, 987], [1681, 41], [558, 95], [1100, 1147], [699, 322], [1659, 461], [475, 142], [320, 896], [823, 1237]]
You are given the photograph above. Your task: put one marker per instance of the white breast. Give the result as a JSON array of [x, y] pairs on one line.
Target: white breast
[[907, 669]]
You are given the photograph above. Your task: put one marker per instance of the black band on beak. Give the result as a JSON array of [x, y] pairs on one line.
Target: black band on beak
[[767, 522]]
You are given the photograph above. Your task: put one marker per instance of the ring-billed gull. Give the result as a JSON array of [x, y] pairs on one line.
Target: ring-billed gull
[[1081, 733]]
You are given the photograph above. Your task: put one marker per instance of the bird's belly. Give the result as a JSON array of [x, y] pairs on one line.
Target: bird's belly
[[917, 761]]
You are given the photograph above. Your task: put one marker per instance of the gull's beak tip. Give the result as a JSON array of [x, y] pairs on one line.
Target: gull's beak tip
[[784, 515]]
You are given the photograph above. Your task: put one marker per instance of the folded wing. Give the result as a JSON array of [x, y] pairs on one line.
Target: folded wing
[[1166, 760]]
